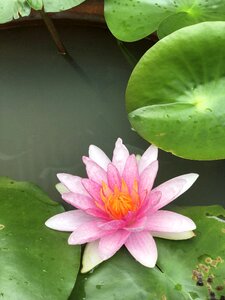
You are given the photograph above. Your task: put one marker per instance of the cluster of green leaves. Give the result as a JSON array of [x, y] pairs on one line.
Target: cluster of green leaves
[[175, 96], [13, 9], [132, 20], [36, 262]]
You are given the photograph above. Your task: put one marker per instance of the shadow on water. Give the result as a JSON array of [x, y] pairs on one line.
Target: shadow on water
[[74, 65]]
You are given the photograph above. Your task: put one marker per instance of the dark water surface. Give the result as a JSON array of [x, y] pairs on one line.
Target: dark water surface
[[52, 108]]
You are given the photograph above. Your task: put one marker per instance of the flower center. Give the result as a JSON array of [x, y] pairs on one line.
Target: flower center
[[120, 201]]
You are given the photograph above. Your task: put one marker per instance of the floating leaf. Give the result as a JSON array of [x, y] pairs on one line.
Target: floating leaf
[[176, 93], [187, 269], [175, 22], [54, 5], [196, 12], [12, 9], [36, 4], [131, 20], [36, 262]]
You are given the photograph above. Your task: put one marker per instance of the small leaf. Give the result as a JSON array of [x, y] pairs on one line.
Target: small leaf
[[36, 262]]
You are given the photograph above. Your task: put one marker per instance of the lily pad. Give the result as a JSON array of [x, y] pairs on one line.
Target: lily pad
[[54, 5], [13, 9], [176, 93], [131, 20], [175, 22], [36, 262], [186, 270]]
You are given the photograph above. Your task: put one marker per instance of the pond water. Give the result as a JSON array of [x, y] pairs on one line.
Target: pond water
[[52, 107]]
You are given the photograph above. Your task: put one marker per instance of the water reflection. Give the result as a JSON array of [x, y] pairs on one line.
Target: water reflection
[[51, 109]]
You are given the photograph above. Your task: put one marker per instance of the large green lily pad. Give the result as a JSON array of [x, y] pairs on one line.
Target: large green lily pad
[[35, 262], [187, 270], [176, 93], [131, 20]]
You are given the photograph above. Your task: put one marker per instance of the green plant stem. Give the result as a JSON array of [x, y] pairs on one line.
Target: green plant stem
[[54, 33]]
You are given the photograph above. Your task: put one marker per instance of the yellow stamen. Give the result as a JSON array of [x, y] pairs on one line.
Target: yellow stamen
[[120, 201]]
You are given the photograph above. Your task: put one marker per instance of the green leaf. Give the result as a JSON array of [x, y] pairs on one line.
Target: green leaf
[[13, 9], [54, 5], [131, 20], [199, 12], [36, 4], [176, 93], [175, 22], [123, 278], [36, 262]]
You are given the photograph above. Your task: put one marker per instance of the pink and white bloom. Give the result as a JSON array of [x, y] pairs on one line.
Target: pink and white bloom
[[117, 205]]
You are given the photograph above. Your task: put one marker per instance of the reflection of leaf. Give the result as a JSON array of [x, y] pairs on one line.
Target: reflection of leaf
[[54, 5], [179, 265], [175, 96], [131, 20], [36, 263]]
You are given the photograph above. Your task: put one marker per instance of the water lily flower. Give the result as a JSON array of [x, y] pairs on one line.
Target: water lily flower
[[117, 205]]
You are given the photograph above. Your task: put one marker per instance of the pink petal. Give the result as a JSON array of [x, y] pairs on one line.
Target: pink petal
[[142, 247], [94, 171], [68, 221], [111, 243], [149, 204], [73, 183], [92, 188], [138, 225], [96, 212], [99, 157], [130, 172], [173, 188], [174, 235], [168, 221], [86, 233], [91, 257], [113, 225], [147, 158], [147, 178], [113, 176], [120, 155], [79, 201]]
